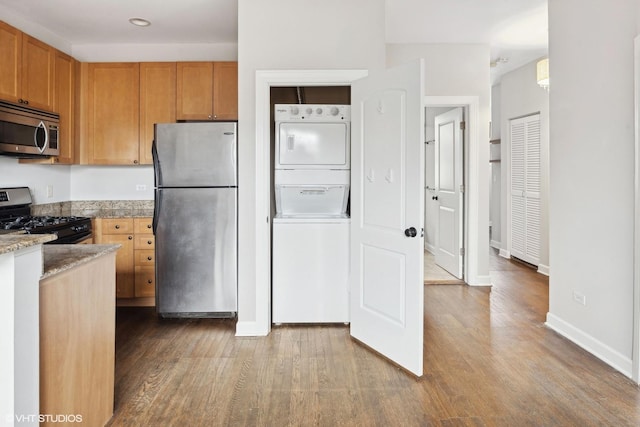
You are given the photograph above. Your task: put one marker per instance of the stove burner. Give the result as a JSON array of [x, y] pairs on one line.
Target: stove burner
[[31, 222]]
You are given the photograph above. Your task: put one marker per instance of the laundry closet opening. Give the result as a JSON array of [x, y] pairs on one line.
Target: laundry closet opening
[[309, 203]]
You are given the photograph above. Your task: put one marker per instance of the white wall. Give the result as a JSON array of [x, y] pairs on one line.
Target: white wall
[[461, 70], [37, 178], [591, 108], [155, 52], [111, 182], [290, 34], [520, 95]]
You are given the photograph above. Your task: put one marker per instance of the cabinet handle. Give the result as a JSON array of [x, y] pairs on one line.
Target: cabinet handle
[[117, 227], [149, 258], [149, 281], [135, 162], [149, 242], [130, 237], [148, 225], [209, 117]]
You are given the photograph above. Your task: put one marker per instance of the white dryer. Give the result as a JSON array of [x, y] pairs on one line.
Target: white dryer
[[310, 281]]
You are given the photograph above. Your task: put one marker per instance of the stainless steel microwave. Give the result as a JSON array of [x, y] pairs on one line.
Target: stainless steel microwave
[[28, 132]]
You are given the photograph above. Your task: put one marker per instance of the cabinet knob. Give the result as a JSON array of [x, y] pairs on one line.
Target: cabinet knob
[[209, 116], [117, 227], [148, 225], [149, 258], [149, 242], [130, 237], [135, 162], [149, 281]]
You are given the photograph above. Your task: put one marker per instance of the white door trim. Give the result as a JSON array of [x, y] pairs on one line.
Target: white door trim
[[635, 354], [264, 80], [472, 143]]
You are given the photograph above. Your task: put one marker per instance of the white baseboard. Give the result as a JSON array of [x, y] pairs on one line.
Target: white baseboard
[[495, 244], [505, 253], [543, 269], [597, 348], [250, 329], [480, 281], [430, 248]]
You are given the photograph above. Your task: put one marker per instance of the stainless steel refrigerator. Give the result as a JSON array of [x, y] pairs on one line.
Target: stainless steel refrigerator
[[195, 219]]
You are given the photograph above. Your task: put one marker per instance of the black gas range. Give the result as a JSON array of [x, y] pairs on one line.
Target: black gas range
[[15, 216]]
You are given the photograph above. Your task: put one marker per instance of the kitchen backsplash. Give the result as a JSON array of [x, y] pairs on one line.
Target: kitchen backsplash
[[95, 208]]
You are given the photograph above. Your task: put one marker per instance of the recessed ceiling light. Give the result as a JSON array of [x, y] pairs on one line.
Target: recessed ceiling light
[[140, 22]]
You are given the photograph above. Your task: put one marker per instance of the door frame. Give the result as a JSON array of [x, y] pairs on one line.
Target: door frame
[[471, 201], [635, 350], [265, 79]]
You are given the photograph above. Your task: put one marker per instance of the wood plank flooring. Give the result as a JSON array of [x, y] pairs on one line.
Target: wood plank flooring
[[489, 361]]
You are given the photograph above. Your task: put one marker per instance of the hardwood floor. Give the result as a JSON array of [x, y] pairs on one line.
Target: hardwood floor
[[489, 361]]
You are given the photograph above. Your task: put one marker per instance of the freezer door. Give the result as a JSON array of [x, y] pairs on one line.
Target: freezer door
[[196, 251], [196, 154]]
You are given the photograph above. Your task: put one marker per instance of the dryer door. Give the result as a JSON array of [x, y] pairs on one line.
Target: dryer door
[[312, 145]]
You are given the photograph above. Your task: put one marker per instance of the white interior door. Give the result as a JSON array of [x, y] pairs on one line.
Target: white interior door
[[525, 188], [387, 208], [449, 179]]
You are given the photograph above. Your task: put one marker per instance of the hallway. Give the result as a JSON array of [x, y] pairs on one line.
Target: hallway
[[489, 361]]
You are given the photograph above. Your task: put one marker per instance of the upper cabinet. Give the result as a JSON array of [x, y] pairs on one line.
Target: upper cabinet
[[157, 102], [110, 113], [26, 69], [207, 91], [64, 103]]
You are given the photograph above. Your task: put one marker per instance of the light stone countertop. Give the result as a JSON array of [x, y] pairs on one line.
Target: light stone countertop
[[118, 213], [59, 258], [15, 242]]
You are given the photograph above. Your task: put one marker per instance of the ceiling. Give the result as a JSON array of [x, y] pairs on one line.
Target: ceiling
[[515, 29]]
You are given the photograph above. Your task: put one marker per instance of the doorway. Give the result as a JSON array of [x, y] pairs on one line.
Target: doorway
[[444, 189]]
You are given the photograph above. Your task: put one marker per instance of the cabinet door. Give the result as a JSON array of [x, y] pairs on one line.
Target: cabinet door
[[10, 52], [145, 285], [125, 274], [37, 73], [225, 91], [64, 104], [194, 91], [111, 110], [157, 102]]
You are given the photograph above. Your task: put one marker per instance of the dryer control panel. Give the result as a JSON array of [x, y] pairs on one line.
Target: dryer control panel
[[312, 112]]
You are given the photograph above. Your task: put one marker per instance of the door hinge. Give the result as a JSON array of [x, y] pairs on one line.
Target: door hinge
[[461, 251], [462, 188], [463, 125]]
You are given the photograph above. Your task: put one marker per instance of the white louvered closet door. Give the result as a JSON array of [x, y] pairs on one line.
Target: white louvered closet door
[[525, 188]]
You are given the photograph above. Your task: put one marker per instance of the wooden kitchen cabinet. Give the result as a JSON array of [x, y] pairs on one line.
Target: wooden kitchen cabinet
[[157, 102], [110, 113], [26, 69], [119, 231], [207, 91], [135, 262], [144, 253]]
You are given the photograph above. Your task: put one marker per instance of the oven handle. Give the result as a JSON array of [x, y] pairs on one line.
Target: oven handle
[[42, 126]]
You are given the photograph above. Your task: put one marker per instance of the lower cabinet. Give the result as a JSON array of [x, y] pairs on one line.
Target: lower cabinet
[[135, 261]]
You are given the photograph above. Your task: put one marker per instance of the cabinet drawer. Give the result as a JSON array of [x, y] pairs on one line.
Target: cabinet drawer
[[117, 225], [145, 242], [145, 257], [143, 225], [145, 284]]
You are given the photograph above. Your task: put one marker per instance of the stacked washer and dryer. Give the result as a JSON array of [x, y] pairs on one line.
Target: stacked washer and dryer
[[310, 274]]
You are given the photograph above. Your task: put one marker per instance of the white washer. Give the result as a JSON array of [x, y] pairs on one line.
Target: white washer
[[310, 270]]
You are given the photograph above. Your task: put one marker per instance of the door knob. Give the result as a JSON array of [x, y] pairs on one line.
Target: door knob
[[434, 197], [411, 232]]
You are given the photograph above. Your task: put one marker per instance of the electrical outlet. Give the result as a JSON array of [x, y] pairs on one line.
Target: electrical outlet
[[579, 298], [141, 187], [49, 191]]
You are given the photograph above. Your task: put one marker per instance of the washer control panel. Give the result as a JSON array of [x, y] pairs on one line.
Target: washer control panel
[[312, 112]]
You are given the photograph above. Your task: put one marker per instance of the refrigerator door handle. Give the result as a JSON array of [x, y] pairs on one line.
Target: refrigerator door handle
[[156, 209], [156, 183]]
